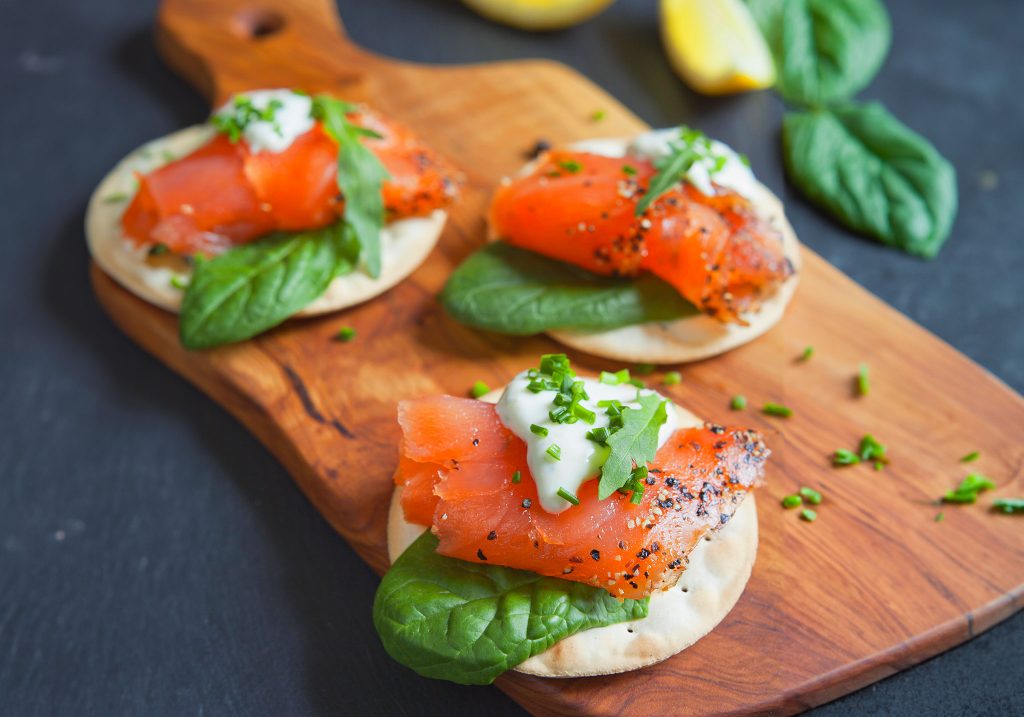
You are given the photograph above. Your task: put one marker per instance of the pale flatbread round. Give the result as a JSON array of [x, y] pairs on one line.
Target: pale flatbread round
[[404, 244], [696, 337], [712, 582]]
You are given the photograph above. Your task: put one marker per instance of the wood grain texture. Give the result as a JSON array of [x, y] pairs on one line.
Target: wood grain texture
[[875, 585]]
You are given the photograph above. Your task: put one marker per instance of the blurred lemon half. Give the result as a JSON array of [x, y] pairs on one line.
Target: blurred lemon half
[[538, 14], [716, 46]]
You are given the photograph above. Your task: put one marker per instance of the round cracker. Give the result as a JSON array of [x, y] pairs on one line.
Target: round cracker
[[404, 243], [695, 337], [714, 578]]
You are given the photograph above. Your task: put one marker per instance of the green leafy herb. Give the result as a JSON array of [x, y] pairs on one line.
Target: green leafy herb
[[469, 622], [792, 501], [566, 495], [824, 50], [242, 112], [672, 378], [1008, 505], [691, 146], [632, 445], [810, 495], [514, 291], [629, 170], [738, 402], [480, 389], [809, 515], [254, 287], [874, 174], [345, 334], [361, 177], [776, 409], [806, 355], [863, 382], [969, 488], [971, 457], [843, 457]]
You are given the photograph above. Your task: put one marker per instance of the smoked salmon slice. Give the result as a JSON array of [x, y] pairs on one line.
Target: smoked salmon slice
[[577, 207], [222, 194], [458, 467]]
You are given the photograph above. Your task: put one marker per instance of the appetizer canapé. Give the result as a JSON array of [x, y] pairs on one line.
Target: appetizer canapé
[[282, 204], [559, 531], [660, 249]]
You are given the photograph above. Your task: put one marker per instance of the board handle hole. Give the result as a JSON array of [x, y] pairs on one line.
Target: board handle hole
[[258, 24]]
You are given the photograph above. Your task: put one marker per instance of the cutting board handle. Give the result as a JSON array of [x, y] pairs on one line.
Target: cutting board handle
[[224, 46]]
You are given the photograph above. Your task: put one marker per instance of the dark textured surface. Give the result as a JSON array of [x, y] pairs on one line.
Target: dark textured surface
[[155, 560]]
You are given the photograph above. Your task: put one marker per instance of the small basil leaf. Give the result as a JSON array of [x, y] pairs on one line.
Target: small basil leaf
[[824, 50], [874, 174], [635, 444], [514, 291], [254, 287], [469, 622]]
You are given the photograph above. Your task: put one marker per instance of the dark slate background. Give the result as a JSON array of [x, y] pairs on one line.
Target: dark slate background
[[154, 559]]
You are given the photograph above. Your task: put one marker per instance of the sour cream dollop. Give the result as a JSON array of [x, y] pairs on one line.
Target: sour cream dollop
[[291, 118], [580, 458]]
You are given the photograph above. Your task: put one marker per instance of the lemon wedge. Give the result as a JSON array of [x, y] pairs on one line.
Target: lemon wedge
[[716, 46], [538, 14]]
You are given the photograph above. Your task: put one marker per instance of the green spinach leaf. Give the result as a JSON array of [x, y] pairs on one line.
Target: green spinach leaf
[[469, 622], [824, 50], [634, 444], [360, 178], [874, 173], [254, 287], [514, 291]]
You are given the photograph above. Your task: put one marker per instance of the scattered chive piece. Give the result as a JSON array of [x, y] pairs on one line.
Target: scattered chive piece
[[810, 495], [538, 430], [566, 495], [776, 409], [644, 368], [614, 379], [636, 382], [809, 515], [115, 198], [629, 170], [792, 501], [738, 402], [177, 283], [598, 115], [969, 488], [555, 451], [571, 166], [672, 378], [517, 477], [871, 450], [346, 334], [479, 389], [863, 387], [808, 352], [598, 435], [879, 465], [843, 457], [971, 457], [157, 250], [1008, 505], [940, 516]]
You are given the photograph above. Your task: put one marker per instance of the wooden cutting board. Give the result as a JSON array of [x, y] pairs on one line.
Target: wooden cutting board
[[875, 585]]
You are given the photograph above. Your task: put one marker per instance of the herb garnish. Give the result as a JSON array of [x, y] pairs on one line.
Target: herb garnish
[[871, 450], [571, 166], [969, 488], [863, 386], [598, 115], [234, 120], [843, 457], [971, 457], [806, 355], [776, 409], [692, 145], [738, 402], [1008, 505], [566, 495], [538, 430], [672, 378], [517, 477], [633, 444], [792, 501], [809, 515], [555, 451], [810, 495], [479, 389], [345, 334]]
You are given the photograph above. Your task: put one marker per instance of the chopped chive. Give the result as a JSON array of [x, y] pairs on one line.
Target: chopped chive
[[177, 283], [971, 457], [808, 352], [843, 457], [538, 430], [345, 334], [810, 495], [644, 368], [1008, 505], [116, 197], [555, 451], [792, 501], [672, 378], [479, 389], [629, 170], [776, 409], [598, 435], [517, 477], [863, 386], [614, 379], [637, 382], [571, 166], [598, 115], [969, 488], [566, 495], [940, 516], [879, 465], [871, 450], [583, 413], [157, 250], [809, 515], [738, 402]]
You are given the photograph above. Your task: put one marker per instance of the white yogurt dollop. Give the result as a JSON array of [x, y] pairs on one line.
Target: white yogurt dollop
[[291, 118], [581, 458]]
